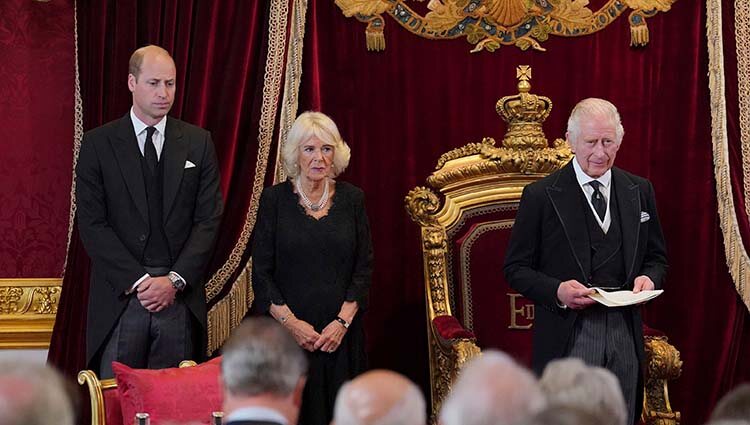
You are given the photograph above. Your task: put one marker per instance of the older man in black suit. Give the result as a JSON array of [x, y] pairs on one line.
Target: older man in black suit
[[148, 210], [263, 372], [588, 225]]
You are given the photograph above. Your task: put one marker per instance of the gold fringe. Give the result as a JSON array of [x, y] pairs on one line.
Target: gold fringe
[[639, 35], [375, 38], [77, 135], [271, 88], [290, 102], [230, 311], [737, 257]]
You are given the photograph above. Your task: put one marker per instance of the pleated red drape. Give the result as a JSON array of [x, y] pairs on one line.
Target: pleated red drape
[[401, 108], [219, 49]]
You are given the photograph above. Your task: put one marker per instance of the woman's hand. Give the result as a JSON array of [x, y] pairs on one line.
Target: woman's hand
[[331, 337], [303, 333]]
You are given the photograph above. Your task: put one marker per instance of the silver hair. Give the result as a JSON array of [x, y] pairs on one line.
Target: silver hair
[[33, 394], [492, 390], [592, 107], [410, 410], [314, 124], [571, 382], [261, 357]]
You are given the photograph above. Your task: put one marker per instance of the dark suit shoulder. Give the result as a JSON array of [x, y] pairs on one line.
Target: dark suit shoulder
[[186, 126], [635, 179], [98, 134]]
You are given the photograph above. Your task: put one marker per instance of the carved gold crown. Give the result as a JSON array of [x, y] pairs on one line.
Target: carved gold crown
[[524, 113]]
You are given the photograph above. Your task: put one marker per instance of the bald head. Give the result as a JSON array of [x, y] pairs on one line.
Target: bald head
[[151, 51], [380, 397]]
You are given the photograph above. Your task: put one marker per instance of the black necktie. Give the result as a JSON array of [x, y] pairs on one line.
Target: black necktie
[[597, 200], [149, 150]]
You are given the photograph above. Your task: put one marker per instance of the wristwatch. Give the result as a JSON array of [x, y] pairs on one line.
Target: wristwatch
[[177, 281]]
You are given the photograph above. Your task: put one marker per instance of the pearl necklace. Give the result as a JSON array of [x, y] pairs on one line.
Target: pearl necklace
[[308, 203]]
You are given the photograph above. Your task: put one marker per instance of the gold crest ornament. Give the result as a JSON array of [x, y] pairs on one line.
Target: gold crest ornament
[[490, 24]]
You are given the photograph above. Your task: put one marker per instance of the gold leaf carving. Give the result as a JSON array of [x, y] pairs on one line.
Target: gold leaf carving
[[571, 12], [442, 16], [362, 7], [660, 5]]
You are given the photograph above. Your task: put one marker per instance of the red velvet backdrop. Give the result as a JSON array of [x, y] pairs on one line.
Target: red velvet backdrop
[[219, 79], [401, 108], [36, 118]]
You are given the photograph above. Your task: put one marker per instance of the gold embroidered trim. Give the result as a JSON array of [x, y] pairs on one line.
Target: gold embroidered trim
[[77, 135], [290, 102], [229, 311], [737, 257], [741, 34], [271, 88]]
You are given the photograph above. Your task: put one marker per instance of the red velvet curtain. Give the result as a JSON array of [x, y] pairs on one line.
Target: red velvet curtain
[[401, 108], [219, 49]]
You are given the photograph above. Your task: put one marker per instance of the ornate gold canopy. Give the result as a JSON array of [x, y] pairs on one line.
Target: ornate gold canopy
[[489, 24]]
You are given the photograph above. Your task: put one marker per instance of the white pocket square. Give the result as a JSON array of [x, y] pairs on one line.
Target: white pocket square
[[645, 217], [189, 164]]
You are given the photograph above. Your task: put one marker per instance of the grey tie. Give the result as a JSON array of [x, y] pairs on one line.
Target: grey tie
[[598, 200]]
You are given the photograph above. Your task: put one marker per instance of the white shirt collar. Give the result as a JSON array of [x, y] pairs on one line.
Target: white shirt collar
[[583, 178], [256, 413], [139, 126]]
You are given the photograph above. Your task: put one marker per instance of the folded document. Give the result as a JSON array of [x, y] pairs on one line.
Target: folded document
[[623, 298]]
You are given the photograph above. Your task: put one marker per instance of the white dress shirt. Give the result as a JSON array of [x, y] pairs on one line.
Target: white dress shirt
[[158, 140], [140, 133], [605, 188]]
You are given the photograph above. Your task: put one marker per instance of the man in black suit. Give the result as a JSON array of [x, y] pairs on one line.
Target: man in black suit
[[588, 225], [263, 373], [148, 210]]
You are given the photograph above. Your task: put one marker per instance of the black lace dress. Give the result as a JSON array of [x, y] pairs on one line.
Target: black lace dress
[[313, 266]]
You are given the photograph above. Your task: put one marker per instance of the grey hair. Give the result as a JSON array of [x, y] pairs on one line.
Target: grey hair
[[734, 405], [571, 382], [314, 124], [33, 394], [262, 357], [410, 410], [492, 390], [592, 107]]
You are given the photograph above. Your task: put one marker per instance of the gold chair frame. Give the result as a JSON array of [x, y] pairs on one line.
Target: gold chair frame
[[97, 387]]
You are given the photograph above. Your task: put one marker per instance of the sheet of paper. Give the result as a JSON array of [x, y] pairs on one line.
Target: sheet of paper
[[623, 298]]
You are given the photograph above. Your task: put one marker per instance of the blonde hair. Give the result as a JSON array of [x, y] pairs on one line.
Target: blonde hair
[[314, 124]]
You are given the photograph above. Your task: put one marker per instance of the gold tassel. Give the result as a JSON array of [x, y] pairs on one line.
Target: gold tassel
[[374, 35], [639, 35]]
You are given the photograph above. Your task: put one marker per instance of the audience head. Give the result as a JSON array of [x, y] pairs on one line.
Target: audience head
[[570, 382], [262, 362], [314, 125], [492, 390], [560, 414], [735, 405], [32, 394], [379, 397]]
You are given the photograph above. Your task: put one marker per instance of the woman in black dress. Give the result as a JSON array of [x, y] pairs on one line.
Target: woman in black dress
[[312, 260]]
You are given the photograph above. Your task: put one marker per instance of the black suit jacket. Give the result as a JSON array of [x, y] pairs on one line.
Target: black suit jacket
[[112, 213], [550, 244]]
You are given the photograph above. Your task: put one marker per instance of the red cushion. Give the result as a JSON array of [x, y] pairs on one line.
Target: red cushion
[[449, 328], [179, 395], [112, 408]]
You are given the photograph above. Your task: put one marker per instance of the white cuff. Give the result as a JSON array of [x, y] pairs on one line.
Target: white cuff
[[137, 282]]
